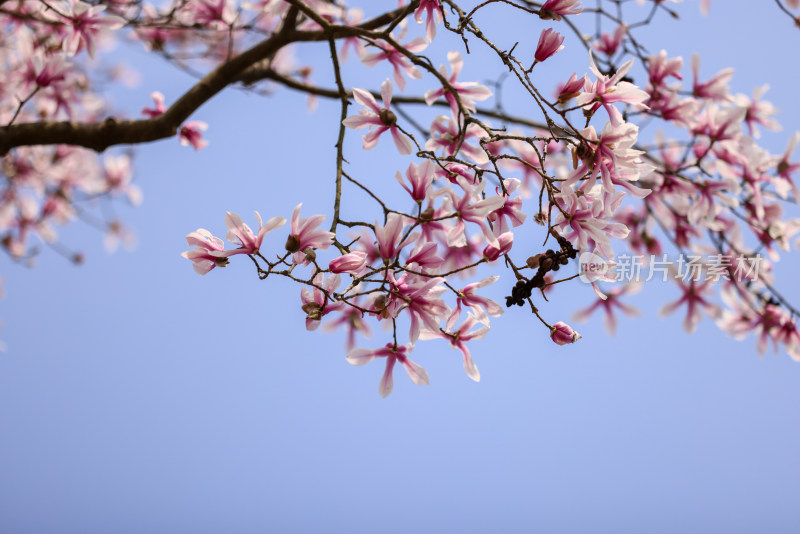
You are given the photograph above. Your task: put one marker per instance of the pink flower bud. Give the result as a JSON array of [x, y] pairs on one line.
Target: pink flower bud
[[504, 242], [549, 44], [562, 334], [553, 9], [353, 263]]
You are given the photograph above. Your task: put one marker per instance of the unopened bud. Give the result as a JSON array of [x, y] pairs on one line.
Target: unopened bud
[[380, 303], [292, 244], [310, 254], [533, 261], [426, 215]]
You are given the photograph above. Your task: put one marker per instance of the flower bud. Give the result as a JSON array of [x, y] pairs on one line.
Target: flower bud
[[352, 262], [562, 334], [549, 44]]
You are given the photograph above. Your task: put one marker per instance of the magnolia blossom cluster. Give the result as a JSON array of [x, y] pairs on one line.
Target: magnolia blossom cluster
[[576, 173], [592, 188]]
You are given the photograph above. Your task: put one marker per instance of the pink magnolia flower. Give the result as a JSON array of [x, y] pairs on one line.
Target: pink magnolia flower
[[460, 257], [716, 88], [468, 92], [305, 236], [399, 62], [354, 17], [786, 168], [479, 304], [43, 71], [609, 304], [352, 320], [457, 340], [468, 209], [118, 234], [445, 135], [609, 43], [570, 89], [504, 244], [584, 220], [154, 34], [209, 252], [788, 335], [418, 296], [659, 68], [390, 237], [241, 234], [767, 323], [425, 255], [352, 262], [191, 133], [694, 296], [393, 354], [605, 91], [434, 16], [382, 117], [317, 303], [420, 178], [118, 174], [562, 334], [511, 211], [549, 44], [554, 9], [216, 14], [87, 22], [460, 175], [159, 107], [758, 111], [611, 156]]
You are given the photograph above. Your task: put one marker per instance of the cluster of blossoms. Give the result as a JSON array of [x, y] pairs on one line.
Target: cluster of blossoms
[[592, 188], [578, 176]]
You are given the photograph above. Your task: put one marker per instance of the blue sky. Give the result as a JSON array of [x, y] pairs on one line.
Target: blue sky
[[137, 396]]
